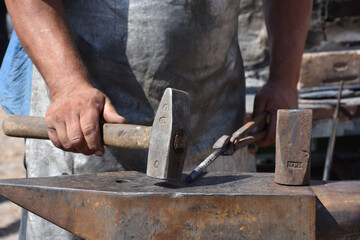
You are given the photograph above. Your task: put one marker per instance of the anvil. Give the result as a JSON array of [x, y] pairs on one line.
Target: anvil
[[130, 205]]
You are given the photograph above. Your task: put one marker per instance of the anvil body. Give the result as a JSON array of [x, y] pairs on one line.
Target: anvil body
[[130, 205]]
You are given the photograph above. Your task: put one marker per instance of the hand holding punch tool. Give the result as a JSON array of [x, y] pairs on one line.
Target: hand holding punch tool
[[227, 145]]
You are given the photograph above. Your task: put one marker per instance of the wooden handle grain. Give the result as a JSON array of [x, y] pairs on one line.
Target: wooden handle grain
[[117, 135], [25, 126], [126, 136]]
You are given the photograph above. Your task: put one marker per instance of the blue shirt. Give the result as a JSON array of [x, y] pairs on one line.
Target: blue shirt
[[15, 79]]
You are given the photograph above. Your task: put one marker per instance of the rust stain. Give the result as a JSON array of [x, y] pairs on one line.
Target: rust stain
[[97, 215]]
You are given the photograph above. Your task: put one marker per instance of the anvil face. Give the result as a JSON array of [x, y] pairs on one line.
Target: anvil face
[[124, 205]]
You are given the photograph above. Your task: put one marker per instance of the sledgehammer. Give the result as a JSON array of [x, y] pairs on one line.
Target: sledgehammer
[[166, 139]]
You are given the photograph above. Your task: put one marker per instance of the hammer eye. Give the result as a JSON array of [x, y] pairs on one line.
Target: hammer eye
[[180, 141]]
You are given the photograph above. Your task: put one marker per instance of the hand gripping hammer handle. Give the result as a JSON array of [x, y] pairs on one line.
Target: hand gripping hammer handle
[[166, 140], [117, 135]]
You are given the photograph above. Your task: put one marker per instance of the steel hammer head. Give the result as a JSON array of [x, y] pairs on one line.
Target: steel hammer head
[[168, 139]]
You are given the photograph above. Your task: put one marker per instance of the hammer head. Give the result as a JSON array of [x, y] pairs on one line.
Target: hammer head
[[168, 139]]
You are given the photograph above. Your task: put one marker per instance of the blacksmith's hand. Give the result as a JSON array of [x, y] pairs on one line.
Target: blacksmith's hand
[[270, 98], [73, 119]]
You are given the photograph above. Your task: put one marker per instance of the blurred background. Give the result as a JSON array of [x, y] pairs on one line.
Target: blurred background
[[332, 55]]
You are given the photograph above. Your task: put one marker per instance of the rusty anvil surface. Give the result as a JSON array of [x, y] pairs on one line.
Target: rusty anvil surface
[[130, 205]]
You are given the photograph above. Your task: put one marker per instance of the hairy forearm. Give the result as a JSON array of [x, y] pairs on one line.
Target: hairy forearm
[[42, 31], [287, 23]]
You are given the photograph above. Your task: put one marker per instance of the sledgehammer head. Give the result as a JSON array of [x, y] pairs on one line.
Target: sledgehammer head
[[168, 139]]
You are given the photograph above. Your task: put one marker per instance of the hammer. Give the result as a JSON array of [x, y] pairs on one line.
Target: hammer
[[166, 139]]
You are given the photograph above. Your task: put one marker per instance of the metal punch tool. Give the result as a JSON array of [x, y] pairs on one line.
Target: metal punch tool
[[227, 145]]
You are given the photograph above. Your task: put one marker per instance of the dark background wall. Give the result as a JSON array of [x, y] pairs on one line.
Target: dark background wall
[[335, 25]]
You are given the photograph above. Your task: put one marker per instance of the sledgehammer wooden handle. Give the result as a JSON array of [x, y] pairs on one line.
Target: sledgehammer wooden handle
[[117, 135]]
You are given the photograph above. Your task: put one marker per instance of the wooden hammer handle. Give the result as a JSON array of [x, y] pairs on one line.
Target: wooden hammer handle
[[117, 135]]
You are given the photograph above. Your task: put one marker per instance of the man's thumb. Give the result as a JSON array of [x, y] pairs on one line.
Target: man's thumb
[[110, 114]]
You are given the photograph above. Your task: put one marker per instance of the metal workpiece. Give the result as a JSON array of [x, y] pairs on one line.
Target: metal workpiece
[[204, 164], [220, 146], [243, 137], [293, 139], [227, 145], [168, 139], [130, 205]]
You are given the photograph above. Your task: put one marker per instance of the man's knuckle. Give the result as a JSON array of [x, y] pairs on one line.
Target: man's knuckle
[[96, 104], [76, 140], [51, 131], [89, 129], [51, 119]]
